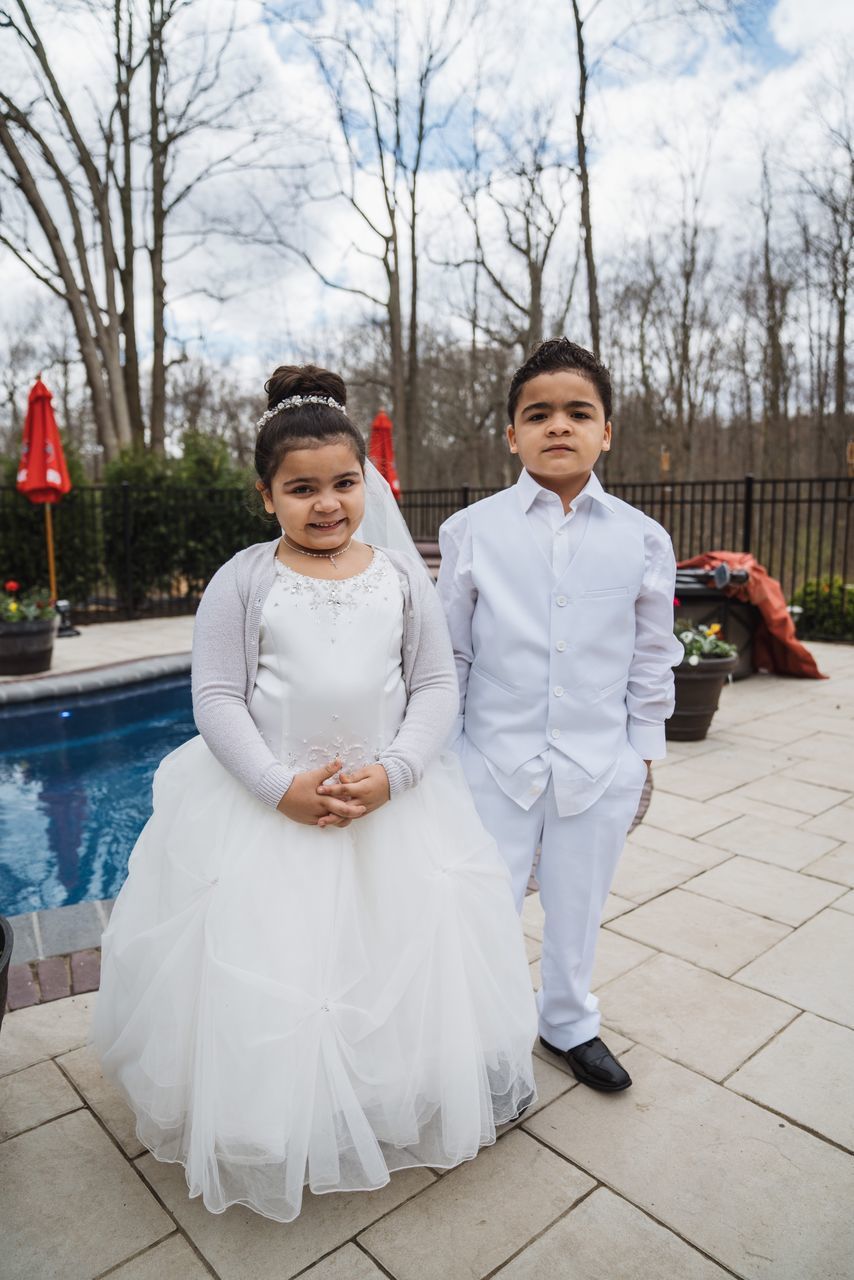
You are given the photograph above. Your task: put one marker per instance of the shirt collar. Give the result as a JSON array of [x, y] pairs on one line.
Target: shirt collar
[[529, 491]]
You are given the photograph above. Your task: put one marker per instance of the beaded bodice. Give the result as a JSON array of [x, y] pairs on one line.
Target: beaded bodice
[[330, 680]]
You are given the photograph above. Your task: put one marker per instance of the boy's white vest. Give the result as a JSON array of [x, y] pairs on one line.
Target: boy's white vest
[[552, 656]]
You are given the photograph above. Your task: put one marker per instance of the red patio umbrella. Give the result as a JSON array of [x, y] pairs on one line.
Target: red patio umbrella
[[42, 474], [381, 451]]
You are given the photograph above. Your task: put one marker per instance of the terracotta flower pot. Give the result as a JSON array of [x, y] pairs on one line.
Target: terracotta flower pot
[[26, 647], [698, 691]]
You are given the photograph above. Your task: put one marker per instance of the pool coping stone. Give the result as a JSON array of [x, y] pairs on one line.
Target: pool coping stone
[[59, 931], [92, 679]]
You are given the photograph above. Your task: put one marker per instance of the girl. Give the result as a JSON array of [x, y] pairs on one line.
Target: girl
[[314, 973]]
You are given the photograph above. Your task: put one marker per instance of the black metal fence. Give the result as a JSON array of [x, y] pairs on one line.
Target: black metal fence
[[127, 551]]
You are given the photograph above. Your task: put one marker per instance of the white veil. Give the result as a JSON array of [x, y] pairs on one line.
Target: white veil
[[382, 524]]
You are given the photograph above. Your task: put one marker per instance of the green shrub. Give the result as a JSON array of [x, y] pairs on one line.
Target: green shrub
[[185, 517], [827, 609], [23, 546], [219, 509], [179, 518], [140, 518]]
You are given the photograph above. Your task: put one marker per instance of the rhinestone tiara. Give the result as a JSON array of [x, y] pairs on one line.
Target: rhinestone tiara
[[294, 402]]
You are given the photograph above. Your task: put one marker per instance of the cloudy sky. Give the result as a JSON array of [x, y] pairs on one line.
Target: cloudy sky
[[664, 97]]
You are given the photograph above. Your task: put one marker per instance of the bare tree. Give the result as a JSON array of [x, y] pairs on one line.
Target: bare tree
[[826, 219], [77, 214], [519, 283], [381, 79], [622, 39]]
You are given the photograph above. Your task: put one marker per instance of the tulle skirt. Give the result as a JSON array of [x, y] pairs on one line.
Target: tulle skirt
[[286, 1006]]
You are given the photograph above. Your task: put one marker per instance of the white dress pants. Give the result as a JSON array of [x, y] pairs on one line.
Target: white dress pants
[[578, 858]]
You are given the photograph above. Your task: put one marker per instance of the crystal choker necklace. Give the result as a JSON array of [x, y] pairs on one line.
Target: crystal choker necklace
[[318, 555]]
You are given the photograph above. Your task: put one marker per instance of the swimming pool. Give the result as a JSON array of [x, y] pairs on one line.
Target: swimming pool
[[75, 788]]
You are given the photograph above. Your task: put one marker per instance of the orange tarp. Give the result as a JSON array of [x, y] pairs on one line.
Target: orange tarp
[[775, 645]]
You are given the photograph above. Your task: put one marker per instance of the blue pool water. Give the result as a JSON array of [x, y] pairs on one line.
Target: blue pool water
[[75, 788]]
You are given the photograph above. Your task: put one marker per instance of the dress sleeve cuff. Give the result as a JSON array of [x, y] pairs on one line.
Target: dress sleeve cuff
[[648, 740], [399, 776], [274, 784]]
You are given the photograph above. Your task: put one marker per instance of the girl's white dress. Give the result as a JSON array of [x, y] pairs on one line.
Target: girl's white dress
[[287, 1006]]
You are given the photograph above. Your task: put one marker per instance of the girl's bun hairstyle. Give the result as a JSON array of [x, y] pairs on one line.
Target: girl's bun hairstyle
[[303, 380], [301, 426]]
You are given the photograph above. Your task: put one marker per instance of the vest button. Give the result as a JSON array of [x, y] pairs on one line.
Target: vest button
[[560, 601], [560, 646], [558, 690], [555, 733]]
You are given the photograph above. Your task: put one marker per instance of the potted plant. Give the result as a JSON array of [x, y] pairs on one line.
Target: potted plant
[[708, 662], [27, 628]]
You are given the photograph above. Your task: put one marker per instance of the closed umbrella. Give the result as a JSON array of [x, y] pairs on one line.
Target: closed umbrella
[[381, 451], [42, 474]]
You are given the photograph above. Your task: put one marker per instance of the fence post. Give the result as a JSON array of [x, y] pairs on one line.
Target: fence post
[[747, 527], [126, 531], [465, 499]]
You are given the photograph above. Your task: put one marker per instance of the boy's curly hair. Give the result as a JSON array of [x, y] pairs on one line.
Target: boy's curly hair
[[556, 354]]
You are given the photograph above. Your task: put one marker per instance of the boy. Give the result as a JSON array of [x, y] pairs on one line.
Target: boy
[[559, 600]]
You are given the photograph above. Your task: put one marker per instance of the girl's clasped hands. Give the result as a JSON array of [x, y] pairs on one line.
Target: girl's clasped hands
[[316, 802]]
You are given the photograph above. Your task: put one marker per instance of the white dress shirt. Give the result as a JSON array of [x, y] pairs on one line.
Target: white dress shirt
[[559, 535]]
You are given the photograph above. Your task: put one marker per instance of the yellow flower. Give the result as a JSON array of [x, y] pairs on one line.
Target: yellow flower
[[13, 606], [714, 628]]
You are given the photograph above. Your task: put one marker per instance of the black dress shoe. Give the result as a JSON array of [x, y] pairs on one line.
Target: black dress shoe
[[593, 1064]]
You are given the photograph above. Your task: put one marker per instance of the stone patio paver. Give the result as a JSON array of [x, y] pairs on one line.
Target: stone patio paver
[[479, 1214], [766, 890], [349, 1263], [825, 772], [71, 1205], [739, 765], [108, 1104], [45, 1031], [705, 932], [616, 906], [829, 747], [607, 1237], [30, 1097], [691, 1015], [806, 1074], [761, 1197], [745, 805], [241, 1245], [770, 841], [692, 781], [838, 865], [846, 903], [700, 855], [789, 793], [837, 823], [173, 1259], [643, 874], [616, 955], [811, 968], [103, 643], [735, 1140], [684, 817]]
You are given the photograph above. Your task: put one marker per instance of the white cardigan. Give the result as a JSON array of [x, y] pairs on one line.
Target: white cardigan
[[225, 661]]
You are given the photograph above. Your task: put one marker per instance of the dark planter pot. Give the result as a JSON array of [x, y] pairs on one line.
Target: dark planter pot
[[26, 647], [6, 940], [698, 691], [739, 621]]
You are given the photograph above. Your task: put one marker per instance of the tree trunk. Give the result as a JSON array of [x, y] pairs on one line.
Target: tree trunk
[[124, 49], [584, 177], [157, 148]]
